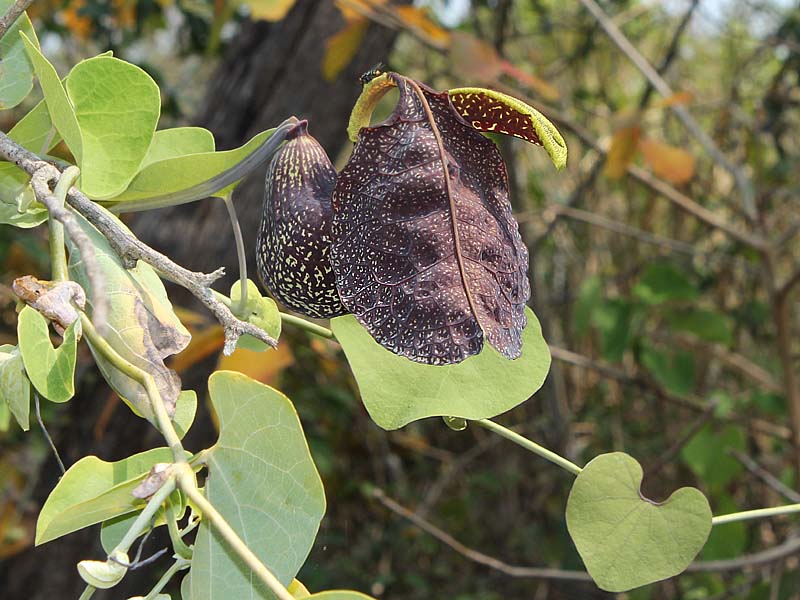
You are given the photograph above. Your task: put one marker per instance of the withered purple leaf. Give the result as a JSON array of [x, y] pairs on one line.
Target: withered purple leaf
[[294, 237], [426, 253]]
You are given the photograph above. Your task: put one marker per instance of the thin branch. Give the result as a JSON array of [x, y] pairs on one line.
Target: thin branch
[[130, 249], [748, 561], [12, 14], [474, 555], [622, 42], [46, 433], [690, 402], [764, 475], [657, 185], [42, 175], [557, 210]]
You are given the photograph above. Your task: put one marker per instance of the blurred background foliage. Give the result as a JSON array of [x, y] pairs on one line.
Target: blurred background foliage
[[665, 288]]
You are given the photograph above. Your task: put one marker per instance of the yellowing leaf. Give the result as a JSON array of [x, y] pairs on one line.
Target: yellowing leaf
[[417, 21], [622, 150], [671, 163], [341, 47], [473, 58], [682, 97], [263, 367], [269, 10]]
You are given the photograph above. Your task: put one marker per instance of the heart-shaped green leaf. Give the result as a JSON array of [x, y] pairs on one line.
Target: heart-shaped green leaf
[[116, 121], [397, 391], [51, 370], [169, 143], [626, 540], [15, 387], [263, 481]]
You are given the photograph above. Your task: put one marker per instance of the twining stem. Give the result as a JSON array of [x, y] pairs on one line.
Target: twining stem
[[187, 483], [180, 547], [240, 254], [759, 513], [308, 326], [58, 255], [145, 517], [178, 565], [143, 378], [182, 471], [530, 445]]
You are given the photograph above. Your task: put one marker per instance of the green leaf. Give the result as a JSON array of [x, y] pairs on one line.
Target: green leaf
[[113, 530], [663, 282], [5, 417], [297, 589], [51, 370], [16, 72], [58, 103], [142, 326], [589, 297], [185, 410], [614, 320], [397, 391], [186, 586], [15, 388], [182, 172], [260, 311], [169, 143], [262, 479], [707, 454], [626, 540], [673, 370], [93, 490], [708, 325], [116, 106], [17, 207]]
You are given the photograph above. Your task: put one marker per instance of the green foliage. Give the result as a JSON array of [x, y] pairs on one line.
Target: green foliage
[[143, 328], [626, 540], [673, 370], [51, 370], [276, 507], [16, 79], [116, 122], [15, 387], [708, 454], [663, 282], [179, 172], [93, 491], [260, 311], [397, 391], [708, 325]]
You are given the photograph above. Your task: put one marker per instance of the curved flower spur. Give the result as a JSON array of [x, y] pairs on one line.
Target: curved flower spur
[[423, 246]]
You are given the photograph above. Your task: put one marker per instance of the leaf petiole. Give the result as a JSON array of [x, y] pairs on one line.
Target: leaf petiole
[[758, 513], [529, 445]]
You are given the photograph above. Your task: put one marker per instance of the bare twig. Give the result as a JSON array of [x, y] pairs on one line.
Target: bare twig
[[49, 439], [556, 210], [663, 88], [690, 402], [474, 555], [41, 176], [130, 249], [746, 562], [12, 14], [765, 476], [659, 186], [684, 439]]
